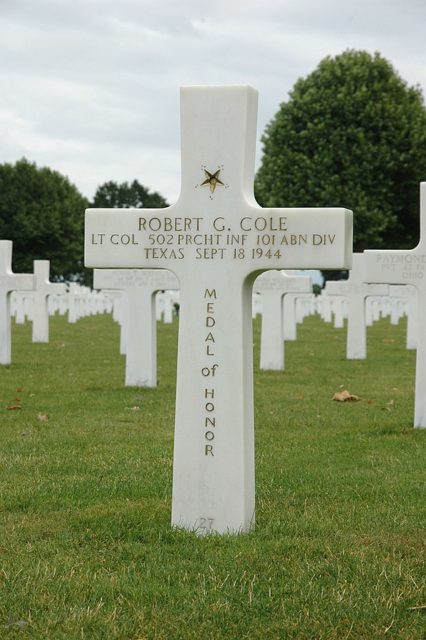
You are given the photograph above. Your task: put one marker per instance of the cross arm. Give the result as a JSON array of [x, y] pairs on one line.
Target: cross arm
[[395, 266], [130, 279], [304, 238], [19, 282], [116, 238], [243, 235]]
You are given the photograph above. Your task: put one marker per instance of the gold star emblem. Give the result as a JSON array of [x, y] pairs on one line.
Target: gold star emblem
[[212, 179]]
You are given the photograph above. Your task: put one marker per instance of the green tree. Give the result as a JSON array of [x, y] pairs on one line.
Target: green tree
[[43, 214], [127, 195], [352, 134]]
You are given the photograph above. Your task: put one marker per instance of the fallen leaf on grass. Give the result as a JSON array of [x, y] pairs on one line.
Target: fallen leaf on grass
[[14, 407], [389, 405], [42, 417], [345, 396]]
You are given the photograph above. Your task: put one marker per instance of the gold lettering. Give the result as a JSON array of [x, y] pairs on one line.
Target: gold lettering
[[217, 226]]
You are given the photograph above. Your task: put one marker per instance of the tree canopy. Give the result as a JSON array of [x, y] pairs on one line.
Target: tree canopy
[[43, 214], [125, 195], [352, 134]]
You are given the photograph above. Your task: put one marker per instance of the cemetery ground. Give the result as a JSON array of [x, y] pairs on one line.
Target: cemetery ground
[[86, 547]]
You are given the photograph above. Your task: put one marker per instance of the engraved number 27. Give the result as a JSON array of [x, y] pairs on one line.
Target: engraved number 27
[[206, 524]]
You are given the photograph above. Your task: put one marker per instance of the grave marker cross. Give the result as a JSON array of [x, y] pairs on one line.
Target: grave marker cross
[[216, 239], [139, 287], [43, 289], [9, 281], [407, 266]]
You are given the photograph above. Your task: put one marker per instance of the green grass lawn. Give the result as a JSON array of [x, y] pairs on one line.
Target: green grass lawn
[[86, 547]]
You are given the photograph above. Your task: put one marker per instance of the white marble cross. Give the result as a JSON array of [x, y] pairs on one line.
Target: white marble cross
[[43, 289], [9, 281], [356, 291], [407, 266], [216, 239], [139, 287], [273, 286]]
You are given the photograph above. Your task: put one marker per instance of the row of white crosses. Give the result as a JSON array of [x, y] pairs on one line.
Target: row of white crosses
[[78, 301], [38, 290], [38, 283], [400, 301], [359, 302], [216, 239], [140, 291]]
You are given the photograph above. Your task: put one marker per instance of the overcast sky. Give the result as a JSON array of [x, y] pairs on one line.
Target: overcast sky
[[91, 87]]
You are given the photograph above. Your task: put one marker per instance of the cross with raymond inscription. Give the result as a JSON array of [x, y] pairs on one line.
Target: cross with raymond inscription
[[216, 239], [407, 266], [9, 281]]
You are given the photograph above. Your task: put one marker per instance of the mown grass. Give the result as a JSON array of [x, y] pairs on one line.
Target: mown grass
[[86, 548]]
